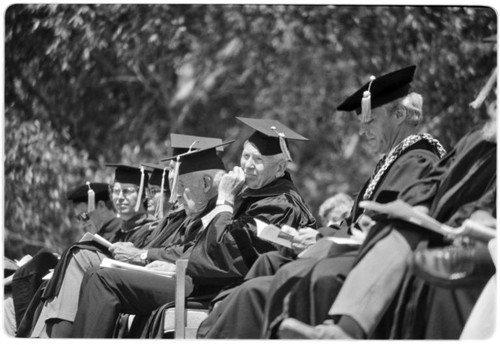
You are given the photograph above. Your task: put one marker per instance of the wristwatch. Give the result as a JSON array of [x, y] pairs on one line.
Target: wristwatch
[[144, 257]]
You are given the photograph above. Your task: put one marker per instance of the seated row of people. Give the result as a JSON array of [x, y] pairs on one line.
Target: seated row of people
[[358, 286]]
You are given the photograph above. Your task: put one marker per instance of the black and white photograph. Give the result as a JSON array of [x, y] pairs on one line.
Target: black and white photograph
[[249, 171]]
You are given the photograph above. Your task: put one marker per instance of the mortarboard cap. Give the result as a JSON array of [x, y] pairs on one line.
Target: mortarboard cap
[[203, 159], [131, 174], [89, 193], [181, 143], [379, 91], [270, 136], [195, 160], [157, 174], [80, 193], [127, 173]]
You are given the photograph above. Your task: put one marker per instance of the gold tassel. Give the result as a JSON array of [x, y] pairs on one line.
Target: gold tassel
[[90, 199], [162, 188], [173, 187], [366, 106], [283, 146], [141, 188]]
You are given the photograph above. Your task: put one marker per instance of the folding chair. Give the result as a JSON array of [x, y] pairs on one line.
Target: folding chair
[[185, 317]]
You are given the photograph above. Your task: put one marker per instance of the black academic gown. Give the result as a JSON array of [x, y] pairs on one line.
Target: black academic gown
[[463, 182], [324, 278], [226, 248], [106, 293], [231, 242], [264, 288], [110, 229]]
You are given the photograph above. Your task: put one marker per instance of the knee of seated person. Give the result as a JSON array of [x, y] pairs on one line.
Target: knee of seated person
[[253, 283]]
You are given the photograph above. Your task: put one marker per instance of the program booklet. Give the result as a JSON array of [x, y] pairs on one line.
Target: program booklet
[[110, 263], [95, 237], [329, 246], [273, 234]]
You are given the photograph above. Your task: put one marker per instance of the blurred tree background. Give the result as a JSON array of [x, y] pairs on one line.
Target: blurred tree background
[[88, 84]]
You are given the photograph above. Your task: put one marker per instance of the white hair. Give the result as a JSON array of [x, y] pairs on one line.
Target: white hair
[[413, 103]]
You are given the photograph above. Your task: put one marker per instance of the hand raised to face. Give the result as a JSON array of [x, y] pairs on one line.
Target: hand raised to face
[[231, 184]]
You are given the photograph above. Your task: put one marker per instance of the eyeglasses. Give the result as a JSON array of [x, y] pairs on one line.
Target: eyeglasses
[[126, 191], [82, 217], [153, 190]]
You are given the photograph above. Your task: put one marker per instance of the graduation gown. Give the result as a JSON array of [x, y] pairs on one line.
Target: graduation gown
[[227, 245], [106, 293], [134, 230], [109, 229], [266, 299], [402, 310], [463, 182]]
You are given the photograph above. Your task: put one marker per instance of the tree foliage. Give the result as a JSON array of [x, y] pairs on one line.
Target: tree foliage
[[88, 84]]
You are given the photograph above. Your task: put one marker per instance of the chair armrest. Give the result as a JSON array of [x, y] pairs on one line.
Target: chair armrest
[[180, 298]]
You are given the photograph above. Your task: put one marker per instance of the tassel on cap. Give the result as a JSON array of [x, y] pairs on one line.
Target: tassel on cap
[[283, 146], [366, 107], [173, 188], [90, 199], [162, 188], [141, 188]]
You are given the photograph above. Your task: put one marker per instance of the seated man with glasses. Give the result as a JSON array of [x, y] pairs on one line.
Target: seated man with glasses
[[63, 288]]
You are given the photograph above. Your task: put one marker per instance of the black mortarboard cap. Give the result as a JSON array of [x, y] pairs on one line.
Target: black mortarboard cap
[[155, 178], [181, 143], [383, 89], [203, 159], [127, 173], [80, 193], [270, 136]]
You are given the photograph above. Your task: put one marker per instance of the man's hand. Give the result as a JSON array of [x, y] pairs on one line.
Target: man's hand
[[162, 266], [303, 239], [484, 218], [126, 252], [231, 185], [421, 208]]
